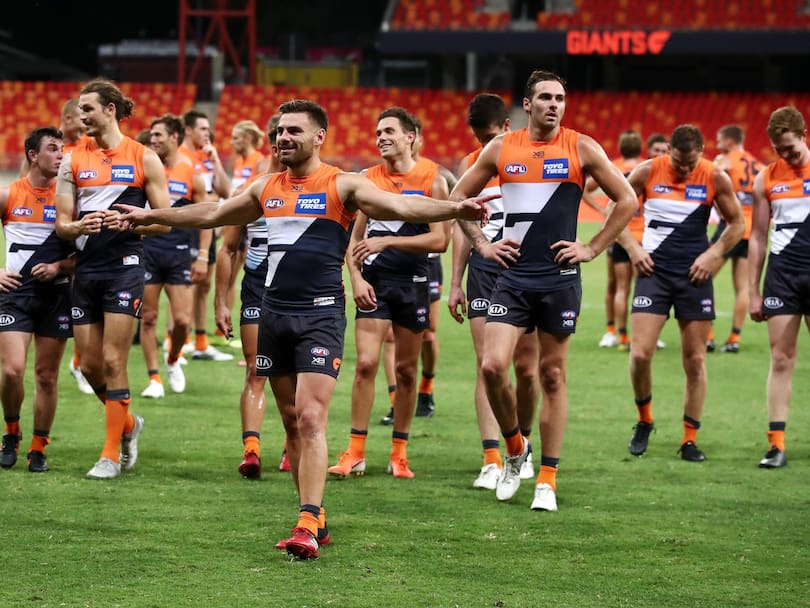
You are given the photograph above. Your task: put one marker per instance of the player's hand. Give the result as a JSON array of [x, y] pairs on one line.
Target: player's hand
[[504, 252], [641, 261], [704, 266], [755, 308], [9, 280], [91, 223], [112, 220], [367, 247], [572, 252], [222, 318], [131, 216], [364, 296], [199, 271], [457, 303], [475, 209], [45, 272]]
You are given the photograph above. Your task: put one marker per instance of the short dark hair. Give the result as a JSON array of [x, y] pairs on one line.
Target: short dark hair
[[315, 112], [272, 129], [540, 76], [786, 119], [173, 125], [733, 132], [656, 138], [486, 109], [191, 117], [630, 144], [406, 120], [33, 140], [686, 138], [108, 92]]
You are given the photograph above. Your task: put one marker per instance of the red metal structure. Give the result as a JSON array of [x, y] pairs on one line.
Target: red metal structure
[[216, 14]]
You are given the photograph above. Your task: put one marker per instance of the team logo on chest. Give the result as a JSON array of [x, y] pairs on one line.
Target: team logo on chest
[[274, 203], [781, 189], [179, 188], [555, 168], [515, 169], [49, 214], [661, 189], [806, 186], [312, 204]]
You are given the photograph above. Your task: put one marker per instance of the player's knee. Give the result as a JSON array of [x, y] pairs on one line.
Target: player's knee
[[406, 374], [552, 376]]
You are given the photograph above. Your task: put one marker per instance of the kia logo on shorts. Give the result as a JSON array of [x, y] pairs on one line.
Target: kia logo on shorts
[[497, 310], [76, 312], [6, 320], [263, 362], [642, 302], [251, 312], [319, 351], [773, 302], [479, 304]]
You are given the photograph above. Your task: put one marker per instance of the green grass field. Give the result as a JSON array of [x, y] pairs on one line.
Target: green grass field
[[183, 529]]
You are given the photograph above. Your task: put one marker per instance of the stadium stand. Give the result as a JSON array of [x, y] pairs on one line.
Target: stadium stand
[[31, 104], [450, 15], [353, 115], [676, 14]]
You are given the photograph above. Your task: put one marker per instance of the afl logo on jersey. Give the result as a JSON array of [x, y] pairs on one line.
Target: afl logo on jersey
[[319, 351], [88, 174], [661, 189], [23, 212], [780, 189], [274, 203], [515, 169]]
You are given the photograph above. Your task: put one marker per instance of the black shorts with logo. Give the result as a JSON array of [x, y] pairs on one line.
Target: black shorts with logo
[[120, 294], [167, 267], [657, 293], [480, 283], [292, 343], [785, 293], [435, 278], [251, 295], [553, 312], [46, 313], [406, 305]]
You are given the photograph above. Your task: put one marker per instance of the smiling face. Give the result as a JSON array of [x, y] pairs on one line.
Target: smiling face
[[297, 137], [546, 106], [392, 140], [791, 148]]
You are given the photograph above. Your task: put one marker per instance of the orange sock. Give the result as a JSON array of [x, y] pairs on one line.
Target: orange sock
[[514, 444], [13, 428], [611, 327], [200, 340], [117, 411], [357, 443], [690, 429], [623, 337], [38, 443], [711, 333], [156, 377], [392, 393], [399, 448], [734, 336], [644, 407], [426, 384], [548, 475], [252, 445], [322, 518], [493, 456], [75, 359], [308, 521], [777, 438]]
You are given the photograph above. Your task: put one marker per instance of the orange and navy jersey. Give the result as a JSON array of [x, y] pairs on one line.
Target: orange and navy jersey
[[788, 191], [202, 164], [244, 169], [636, 224], [493, 229], [29, 222], [742, 170], [307, 236], [105, 178], [392, 264], [541, 184], [676, 214], [180, 180]]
